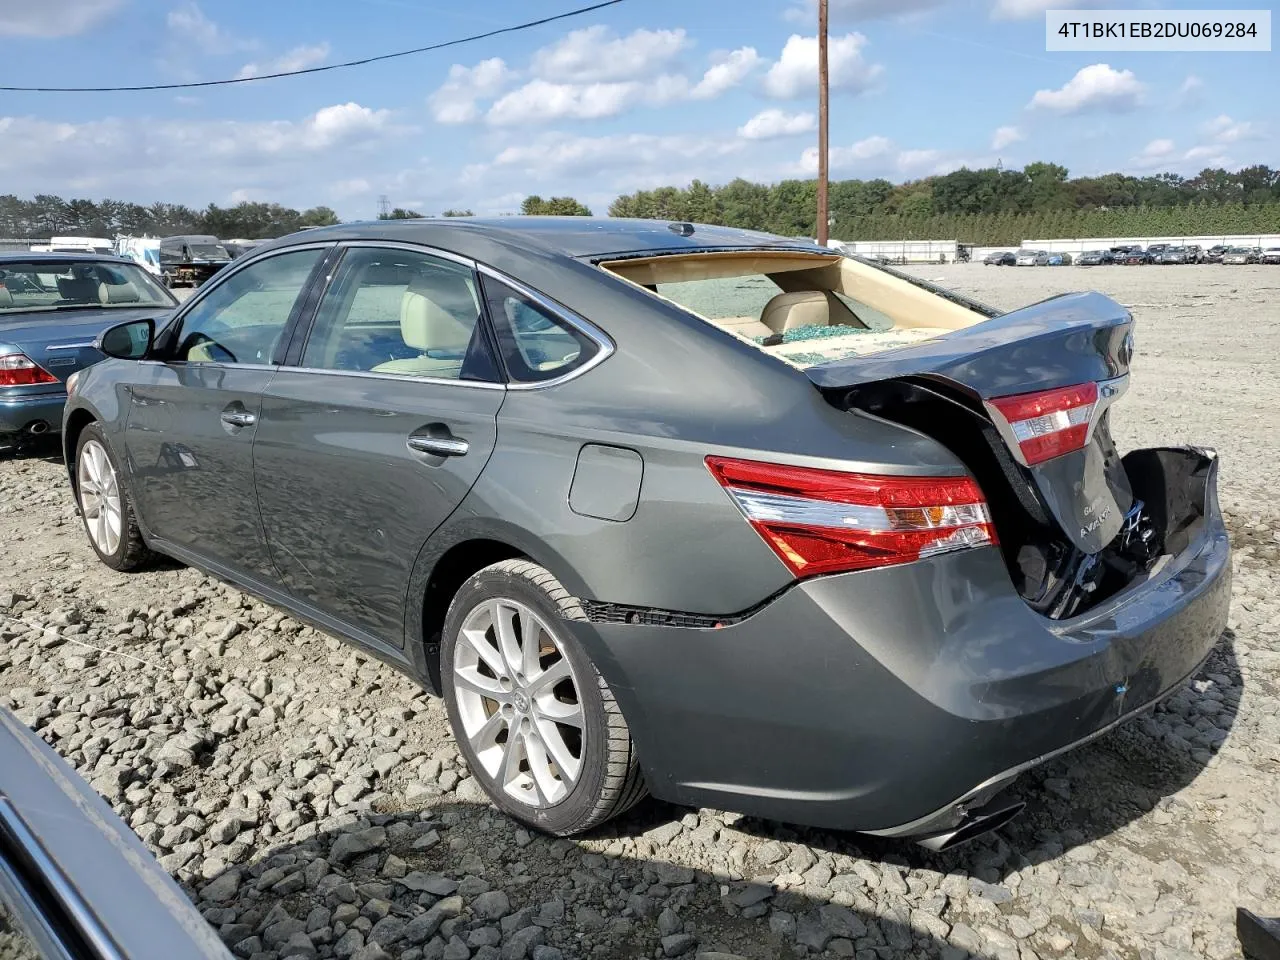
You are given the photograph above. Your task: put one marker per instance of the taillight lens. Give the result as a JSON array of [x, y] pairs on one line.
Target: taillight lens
[[18, 370], [1049, 423], [825, 521]]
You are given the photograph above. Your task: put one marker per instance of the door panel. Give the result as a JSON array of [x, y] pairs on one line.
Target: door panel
[[346, 503], [193, 471], [192, 418], [362, 452]]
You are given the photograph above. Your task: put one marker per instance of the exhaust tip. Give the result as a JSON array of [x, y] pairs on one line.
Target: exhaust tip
[[975, 825], [38, 427]]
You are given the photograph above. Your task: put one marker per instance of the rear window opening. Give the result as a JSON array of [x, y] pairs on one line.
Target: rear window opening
[[804, 308], [1054, 577]]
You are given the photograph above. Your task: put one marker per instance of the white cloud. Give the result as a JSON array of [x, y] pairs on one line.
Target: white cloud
[[299, 58], [769, 124], [1156, 153], [189, 26], [1223, 129], [455, 101], [596, 55], [1095, 87], [630, 161], [1029, 9], [354, 187], [806, 11], [1207, 153], [52, 18], [193, 161], [1005, 136], [540, 101], [869, 150], [795, 74], [880, 157], [726, 74], [1158, 149]]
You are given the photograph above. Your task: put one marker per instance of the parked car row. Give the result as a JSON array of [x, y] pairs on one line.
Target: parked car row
[[1135, 254]]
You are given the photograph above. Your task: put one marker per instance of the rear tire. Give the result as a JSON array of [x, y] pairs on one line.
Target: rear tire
[[538, 725], [105, 505]]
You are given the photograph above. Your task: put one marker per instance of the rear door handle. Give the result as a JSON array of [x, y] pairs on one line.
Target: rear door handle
[[239, 418], [439, 446]]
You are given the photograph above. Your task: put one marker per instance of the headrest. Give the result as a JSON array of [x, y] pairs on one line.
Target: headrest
[[802, 308], [78, 288], [118, 293], [425, 324], [6, 298]]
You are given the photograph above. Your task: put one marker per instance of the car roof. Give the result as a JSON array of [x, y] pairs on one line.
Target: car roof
[[587, 238], [28, 256]]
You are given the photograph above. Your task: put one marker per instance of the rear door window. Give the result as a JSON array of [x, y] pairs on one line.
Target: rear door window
[[401, 312]]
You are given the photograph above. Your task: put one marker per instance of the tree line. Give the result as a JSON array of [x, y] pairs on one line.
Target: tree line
[[46, 216], [987, 206]]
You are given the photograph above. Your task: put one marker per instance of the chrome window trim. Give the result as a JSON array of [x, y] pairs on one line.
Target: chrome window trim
[[87, 924], [30, 925], [403, 377], [412, 248], [218, 280], [604, 344]]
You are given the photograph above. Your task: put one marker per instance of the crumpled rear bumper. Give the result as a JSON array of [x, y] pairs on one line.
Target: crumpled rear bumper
[[889, 700]]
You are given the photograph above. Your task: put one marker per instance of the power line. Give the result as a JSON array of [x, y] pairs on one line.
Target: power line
[[515, 28]]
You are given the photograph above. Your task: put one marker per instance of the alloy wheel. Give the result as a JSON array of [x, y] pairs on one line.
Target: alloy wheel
[[518, 702], [99, 497]]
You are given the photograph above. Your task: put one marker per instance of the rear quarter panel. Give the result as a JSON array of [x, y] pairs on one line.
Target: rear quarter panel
[[676, 390]]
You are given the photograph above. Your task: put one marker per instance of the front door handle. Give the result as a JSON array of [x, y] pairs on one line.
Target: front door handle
[[239, 418], [439, 446]]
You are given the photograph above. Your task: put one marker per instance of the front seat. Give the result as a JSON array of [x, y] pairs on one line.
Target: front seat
[[800, 308], [428, 327]]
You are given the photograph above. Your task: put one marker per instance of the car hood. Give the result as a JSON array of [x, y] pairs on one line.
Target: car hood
[[78, 854]]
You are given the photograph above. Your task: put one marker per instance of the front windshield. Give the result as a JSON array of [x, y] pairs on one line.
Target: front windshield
[[76, 285], [213, 251]]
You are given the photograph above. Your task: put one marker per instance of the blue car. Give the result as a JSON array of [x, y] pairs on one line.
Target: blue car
[[53, 306]]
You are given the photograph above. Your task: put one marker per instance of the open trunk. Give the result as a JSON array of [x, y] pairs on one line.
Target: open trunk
[[1023, 399]]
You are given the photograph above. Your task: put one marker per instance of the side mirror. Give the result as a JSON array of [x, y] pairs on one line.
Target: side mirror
[[128, 341]]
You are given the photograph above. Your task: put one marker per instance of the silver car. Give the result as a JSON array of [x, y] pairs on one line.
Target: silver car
[[75, 882]]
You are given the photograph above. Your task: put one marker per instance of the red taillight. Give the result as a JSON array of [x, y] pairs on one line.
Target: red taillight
[[17, 370], [824, 521], [1050, 423]]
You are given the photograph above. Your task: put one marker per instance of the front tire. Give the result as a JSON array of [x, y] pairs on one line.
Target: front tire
[[537, 724], [105, 505]]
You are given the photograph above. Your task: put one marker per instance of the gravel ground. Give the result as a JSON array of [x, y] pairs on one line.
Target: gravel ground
[[312, 802]]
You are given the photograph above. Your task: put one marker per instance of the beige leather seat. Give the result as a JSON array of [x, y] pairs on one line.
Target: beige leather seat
[[426, 325], [118, 293], [802, 308], [6, 298]]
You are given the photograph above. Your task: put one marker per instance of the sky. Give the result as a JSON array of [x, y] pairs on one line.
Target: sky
[[642, 94]]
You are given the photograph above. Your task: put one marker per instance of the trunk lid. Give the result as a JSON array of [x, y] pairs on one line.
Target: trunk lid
[[1070, 340], [62, 341]]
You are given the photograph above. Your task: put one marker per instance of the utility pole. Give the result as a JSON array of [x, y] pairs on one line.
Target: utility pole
[[822, 122], [384, 207]]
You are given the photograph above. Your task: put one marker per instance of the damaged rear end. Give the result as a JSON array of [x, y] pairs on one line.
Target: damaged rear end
[[1024, 400], [1121, 564]]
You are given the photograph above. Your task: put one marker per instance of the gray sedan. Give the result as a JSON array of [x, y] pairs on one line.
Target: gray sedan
[[712, 514]]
